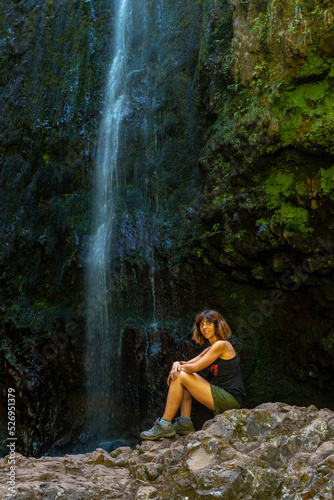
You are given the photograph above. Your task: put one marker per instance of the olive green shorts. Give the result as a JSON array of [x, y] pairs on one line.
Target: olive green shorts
[[223, 400]]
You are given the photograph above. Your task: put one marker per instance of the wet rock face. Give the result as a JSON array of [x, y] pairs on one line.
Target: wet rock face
[[284, 31], [51, 84], [54, 58], [275, 451]]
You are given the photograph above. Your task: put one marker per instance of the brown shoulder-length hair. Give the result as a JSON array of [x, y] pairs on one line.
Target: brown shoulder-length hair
[[222, 330]]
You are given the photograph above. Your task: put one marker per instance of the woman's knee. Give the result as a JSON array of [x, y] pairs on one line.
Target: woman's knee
[[176, 381], [186, 379], [181, 378]]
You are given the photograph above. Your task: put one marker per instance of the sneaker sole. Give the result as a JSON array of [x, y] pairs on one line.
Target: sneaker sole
[[153, 438], [183, 433]]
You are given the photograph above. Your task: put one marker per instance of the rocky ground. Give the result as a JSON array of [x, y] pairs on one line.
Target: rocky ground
[[274, 451]]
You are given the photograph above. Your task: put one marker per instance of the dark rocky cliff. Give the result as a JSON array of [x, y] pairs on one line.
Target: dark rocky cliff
[[256, 243], [54, 57]]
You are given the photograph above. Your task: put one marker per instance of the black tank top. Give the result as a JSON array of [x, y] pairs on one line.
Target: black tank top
[[226, 373]]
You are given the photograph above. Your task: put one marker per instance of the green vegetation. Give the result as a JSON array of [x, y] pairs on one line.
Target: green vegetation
[[327, 182], [293, 218], [274, 109], [277, 185]]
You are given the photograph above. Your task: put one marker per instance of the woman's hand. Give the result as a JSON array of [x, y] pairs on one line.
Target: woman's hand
[[174, 373]]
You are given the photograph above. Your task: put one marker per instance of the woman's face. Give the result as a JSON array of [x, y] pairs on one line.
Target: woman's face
[[207, 328]]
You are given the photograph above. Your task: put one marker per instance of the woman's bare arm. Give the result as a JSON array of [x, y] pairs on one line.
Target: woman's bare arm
[[218, 349], [197, 358], [178, 364]]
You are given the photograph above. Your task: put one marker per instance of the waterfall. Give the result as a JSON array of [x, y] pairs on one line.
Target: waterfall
[[145, 170], [102, 343]]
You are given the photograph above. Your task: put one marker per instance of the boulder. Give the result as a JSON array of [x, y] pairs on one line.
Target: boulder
[[274, 451]]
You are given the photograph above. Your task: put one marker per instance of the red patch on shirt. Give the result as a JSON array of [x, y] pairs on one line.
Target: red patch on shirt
[[214, 370]]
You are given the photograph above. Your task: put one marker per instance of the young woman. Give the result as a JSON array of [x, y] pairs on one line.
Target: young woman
[[223, 391]]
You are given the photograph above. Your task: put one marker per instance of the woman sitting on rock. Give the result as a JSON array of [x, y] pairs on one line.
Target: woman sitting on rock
[[225, 390]]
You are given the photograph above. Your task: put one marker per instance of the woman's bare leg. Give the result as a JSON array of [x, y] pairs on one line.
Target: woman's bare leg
[[197, 386], [186, 404]]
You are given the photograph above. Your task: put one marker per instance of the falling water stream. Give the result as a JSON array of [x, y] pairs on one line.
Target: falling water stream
[[130, 194], [101, 341]]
